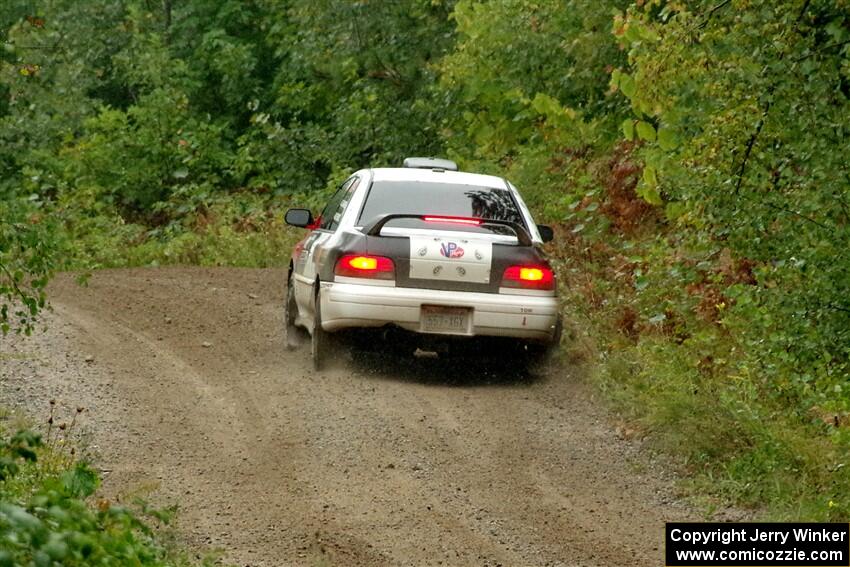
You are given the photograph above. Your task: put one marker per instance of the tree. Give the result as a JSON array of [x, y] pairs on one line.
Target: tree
[[744, 109]]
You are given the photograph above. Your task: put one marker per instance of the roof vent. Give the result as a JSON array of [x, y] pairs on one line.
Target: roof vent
[[430, 163]]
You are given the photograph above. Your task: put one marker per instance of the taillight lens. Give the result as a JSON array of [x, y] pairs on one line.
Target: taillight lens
[[452, 220], [529, 277], [365, 266]]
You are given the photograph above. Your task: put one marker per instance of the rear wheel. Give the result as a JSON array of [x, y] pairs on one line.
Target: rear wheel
[[290, 310], [538, 355]]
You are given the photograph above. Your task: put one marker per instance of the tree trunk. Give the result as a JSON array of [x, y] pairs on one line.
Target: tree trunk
[[166, 8]]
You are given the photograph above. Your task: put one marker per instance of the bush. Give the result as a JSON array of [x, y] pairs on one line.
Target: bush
[[45, 518]]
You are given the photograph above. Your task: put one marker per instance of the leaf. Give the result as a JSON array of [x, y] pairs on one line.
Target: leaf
[[546, 105], [56, 549], [645, 131], [615, 77], [628, 127], [19, 518], [81, 481], [181, 173], [633, 33], [674, 210], [650, 176], [23, 443], [627, 85], [651, 195], [667, 139], [8, 468], [25, 454], [648, 188], [649, 34]]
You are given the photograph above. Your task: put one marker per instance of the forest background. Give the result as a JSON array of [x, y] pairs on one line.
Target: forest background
[[692, 156]]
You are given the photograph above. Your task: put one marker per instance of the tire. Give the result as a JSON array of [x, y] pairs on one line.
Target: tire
[[559, 331], [321, 342], [538, 356], [290, 311]]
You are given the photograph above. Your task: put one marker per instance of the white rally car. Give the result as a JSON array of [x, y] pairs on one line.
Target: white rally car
[[436, 256]]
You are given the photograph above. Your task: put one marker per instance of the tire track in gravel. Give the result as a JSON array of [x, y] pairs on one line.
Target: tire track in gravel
[[378, 462]]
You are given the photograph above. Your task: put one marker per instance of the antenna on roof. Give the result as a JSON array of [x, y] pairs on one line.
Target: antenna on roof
[[430, 163]]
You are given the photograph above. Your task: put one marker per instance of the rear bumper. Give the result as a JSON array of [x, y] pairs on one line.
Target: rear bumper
[[346, 305]]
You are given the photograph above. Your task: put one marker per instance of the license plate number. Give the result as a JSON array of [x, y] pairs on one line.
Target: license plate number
[[450, 320]]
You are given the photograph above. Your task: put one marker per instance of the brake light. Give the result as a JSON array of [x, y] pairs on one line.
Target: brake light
[[365, 266], [455, 220], [529, 277], [363, 263], [531, 274]]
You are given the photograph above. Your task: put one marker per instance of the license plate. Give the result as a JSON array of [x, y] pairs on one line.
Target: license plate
[[448, 320]]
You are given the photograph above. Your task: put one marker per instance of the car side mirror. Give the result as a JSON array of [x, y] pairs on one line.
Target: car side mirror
[[546, 232], [302, 218]]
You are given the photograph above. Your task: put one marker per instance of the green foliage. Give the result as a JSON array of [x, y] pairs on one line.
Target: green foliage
[[752, 101], [27, 257], [758, 93], [690, 154], [527, 89], [352, 89], [45, 86], [45, 520], [20, 446], [134, 131]]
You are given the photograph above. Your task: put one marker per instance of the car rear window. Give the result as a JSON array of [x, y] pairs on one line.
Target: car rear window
[[442, 199]]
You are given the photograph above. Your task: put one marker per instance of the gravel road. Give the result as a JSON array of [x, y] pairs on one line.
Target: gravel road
[[192, 399]]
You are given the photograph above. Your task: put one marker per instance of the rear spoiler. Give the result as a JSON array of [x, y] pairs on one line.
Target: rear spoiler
[[373, 227]]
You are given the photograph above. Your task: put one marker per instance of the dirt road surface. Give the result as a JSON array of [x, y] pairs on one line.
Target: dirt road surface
[[193, 399]]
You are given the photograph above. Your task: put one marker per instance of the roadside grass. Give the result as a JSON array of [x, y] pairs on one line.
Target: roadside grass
[[268, 246], [49, 514], [733, 449], [681, 385], [243, 231]]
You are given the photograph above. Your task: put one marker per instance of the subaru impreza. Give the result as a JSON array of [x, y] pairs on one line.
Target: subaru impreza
[[439, 258]]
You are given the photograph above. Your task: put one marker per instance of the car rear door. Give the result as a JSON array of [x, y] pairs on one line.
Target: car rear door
[[314, 250]]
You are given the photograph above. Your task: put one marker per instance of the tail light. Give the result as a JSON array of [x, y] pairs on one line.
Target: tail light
[[365, 266], [529, 277], [453, 220]]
